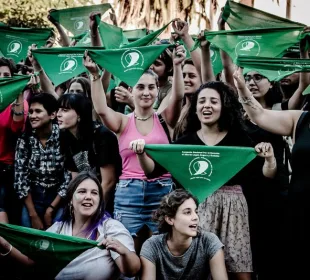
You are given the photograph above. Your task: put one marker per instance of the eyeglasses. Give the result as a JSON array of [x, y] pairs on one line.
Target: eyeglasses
[[256, 78]]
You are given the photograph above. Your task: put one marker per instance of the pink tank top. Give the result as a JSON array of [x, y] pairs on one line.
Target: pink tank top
[[131, 165]]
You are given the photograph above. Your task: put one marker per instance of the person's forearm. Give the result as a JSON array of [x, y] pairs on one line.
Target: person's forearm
[[56, 201], [130, 264], [270, 168], [196, 54], [30, 206], [98, 97], [207, 74], [46, 84], [95, 38], [19, 257], [18, 108], [105, 79], [146, 163], [64, 39], [228, 68]]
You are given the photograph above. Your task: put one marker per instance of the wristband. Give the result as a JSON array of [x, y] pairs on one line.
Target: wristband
[[10, 250], [51, 206]]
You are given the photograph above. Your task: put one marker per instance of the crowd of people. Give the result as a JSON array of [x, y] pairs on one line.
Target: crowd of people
[[73, 162]]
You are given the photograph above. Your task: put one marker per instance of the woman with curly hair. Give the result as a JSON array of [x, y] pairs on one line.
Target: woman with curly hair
[[215, 119], [181, 251]]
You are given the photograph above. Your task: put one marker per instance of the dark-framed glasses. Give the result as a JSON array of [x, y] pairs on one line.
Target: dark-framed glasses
[[256, 78]]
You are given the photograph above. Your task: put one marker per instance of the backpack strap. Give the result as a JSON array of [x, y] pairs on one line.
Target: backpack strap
[[165, 127]]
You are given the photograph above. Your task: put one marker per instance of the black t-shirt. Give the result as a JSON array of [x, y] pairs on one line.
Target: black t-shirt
[[91, 155]]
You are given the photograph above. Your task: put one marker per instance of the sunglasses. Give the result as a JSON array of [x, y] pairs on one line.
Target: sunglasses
[[256, 78]]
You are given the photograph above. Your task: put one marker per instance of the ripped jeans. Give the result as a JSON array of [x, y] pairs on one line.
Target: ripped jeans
[[136, 200]]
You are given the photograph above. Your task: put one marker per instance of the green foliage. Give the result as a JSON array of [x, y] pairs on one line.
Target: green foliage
[[33, 13]]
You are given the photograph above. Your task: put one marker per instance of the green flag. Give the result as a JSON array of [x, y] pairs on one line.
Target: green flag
[[76, 20], [216, 59], [146, 40], [267, 42], [129, 64], [201, 169], [10, 88], [135, 34], [61, 64], [14, 41], [50, 251], [84, 41], [111, 36], [275, 69], [239, 16]]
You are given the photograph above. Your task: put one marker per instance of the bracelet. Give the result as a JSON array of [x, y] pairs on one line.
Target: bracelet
[[94, 77], [245, 100], [17, 113], [10, 250], [51, 206]]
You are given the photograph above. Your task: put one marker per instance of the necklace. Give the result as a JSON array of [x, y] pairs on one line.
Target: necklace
[[142, 119]]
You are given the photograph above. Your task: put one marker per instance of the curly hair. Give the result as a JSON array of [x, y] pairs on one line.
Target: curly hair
[[231, 113], [169, 206]]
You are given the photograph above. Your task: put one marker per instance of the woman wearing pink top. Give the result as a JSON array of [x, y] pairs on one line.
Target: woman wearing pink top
[[136, 196]]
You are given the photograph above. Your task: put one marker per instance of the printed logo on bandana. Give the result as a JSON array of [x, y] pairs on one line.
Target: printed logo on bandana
[[213, 55], [132, 60], [79, 24], [42, 245], [200, 168], [248, 47], [68, 65], [287, 69], [86, 40], [14, 48]]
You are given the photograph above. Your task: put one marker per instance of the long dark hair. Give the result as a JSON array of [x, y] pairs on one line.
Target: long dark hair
[[83, 107], [231, 113], [169, 206], [99, 216], [85, 84]]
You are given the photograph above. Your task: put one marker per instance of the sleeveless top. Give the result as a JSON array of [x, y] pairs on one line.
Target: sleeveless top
[[300, 182], [131, 165]]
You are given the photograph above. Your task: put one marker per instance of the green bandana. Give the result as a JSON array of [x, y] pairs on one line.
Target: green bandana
[[306, 91], [66, 63], [268, 42], [128, 65], [76, 20], [10, 88], [14, 42], [239, 16], [146, 40], [201, 169], [216, 59], [50, 251], [135, 34], [275, 69], [112, 36], [84, 41]]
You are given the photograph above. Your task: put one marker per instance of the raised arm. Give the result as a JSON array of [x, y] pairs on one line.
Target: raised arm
[[94, 33], [172, 112], [207, 74], [64, 39], [109, 117], [278, 122], [181, 29], [295, 102], [228, 65], [46, 84]]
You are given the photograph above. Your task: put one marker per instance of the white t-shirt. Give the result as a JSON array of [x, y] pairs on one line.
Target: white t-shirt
[[95, 264]]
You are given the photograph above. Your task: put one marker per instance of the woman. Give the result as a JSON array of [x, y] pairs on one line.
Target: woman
[[135, 196], [296, 124], [86, 145], [80, 85], [215, 120], [181, 251], [84, 217]]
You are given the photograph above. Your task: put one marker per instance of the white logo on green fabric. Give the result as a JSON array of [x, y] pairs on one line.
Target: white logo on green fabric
[[15, 47], [42, 245], [200, 168], [86, 40], [213, 55], [79, 24], [132, 60], [247, 47], [287, 69], [68, 65]]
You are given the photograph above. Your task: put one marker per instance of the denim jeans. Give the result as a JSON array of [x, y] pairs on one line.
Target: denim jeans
[[136, 200], [41, 198]]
